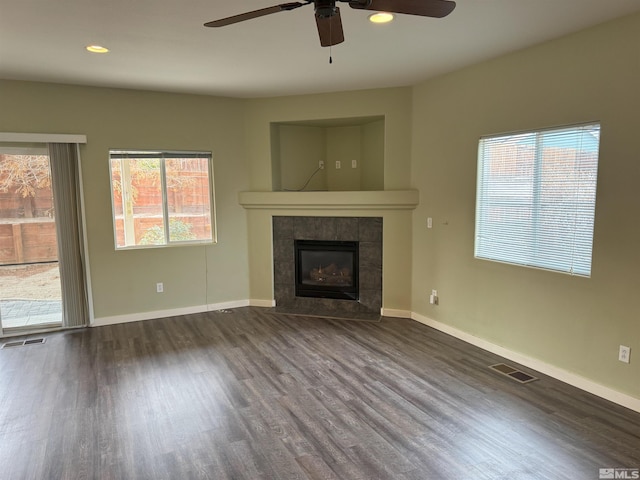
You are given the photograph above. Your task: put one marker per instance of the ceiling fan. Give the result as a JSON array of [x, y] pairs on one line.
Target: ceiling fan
[[328, 14]]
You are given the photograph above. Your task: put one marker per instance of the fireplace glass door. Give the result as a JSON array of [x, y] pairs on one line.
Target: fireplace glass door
[[326, 269]]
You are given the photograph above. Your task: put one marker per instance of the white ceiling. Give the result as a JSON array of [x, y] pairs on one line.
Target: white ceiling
[[162, 44]]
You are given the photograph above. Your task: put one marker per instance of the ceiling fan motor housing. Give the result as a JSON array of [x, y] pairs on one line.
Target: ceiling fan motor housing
[[325, 8]]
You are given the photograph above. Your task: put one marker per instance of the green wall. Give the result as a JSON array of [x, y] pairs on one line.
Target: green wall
[[372, 169], [573, 323], [343, 145], [123, 282], [301, 149]]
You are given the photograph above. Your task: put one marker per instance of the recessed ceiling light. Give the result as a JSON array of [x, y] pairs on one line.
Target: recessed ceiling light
[[381, 17], [97, 49]]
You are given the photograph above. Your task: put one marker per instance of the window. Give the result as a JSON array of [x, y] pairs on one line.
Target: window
[[536, 198], [161, 198]]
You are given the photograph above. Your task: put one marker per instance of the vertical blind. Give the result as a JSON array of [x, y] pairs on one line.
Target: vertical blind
[[536, 194], [65, 180]]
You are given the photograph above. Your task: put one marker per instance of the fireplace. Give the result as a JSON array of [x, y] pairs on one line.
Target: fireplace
[[359, 237], [326, 269]]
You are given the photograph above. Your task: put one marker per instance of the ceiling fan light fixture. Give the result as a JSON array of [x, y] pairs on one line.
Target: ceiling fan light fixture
[[97, 49], [381, 17]]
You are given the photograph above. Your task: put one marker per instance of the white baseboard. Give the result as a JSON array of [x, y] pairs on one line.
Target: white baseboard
[[392, 312], [136, 317], [224, 305], [262, 303], [558, 373]]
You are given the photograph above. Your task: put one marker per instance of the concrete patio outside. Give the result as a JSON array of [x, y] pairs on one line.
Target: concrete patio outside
[[30, 295]]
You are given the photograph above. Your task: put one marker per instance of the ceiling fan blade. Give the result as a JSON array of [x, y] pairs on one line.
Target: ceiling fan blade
[[330, 29], [426, 8], [254, 14]]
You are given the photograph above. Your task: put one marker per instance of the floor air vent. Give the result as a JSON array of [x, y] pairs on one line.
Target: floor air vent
[[21, 343], [513, 373]]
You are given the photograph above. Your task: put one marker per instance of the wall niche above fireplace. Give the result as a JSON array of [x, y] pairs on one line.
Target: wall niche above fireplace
[[340, 235], [298, 147]]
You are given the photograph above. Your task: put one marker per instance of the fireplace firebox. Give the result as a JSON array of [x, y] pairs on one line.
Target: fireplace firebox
[[326, 269]]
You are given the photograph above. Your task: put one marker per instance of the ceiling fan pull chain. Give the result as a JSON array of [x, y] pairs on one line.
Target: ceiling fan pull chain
[[330, 44]]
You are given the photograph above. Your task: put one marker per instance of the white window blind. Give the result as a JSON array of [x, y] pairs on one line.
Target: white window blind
[[536, 197]]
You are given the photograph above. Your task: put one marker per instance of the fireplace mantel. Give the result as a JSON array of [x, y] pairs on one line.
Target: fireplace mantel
[[335, 200]]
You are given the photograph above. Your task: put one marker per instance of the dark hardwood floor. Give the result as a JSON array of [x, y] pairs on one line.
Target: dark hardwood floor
[[257, 395]]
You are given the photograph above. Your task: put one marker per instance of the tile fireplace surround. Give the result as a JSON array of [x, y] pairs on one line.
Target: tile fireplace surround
[[365, 230]]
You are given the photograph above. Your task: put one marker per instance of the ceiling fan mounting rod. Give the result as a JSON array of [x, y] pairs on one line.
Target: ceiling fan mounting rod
[[363, 4]]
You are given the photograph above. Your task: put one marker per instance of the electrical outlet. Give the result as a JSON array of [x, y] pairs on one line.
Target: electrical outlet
[[159, 287], [429, 222], [354, 164], [433, 298], [624, 353], [321, 164], [338, 164]]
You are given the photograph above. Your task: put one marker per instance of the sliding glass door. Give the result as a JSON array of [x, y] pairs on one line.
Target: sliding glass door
[[30, 289]]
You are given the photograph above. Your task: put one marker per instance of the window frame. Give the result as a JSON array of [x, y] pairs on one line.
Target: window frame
[[541, 262], [163, 155]]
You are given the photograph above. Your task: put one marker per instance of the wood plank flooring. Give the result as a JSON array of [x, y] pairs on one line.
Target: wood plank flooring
[[257, 395]]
